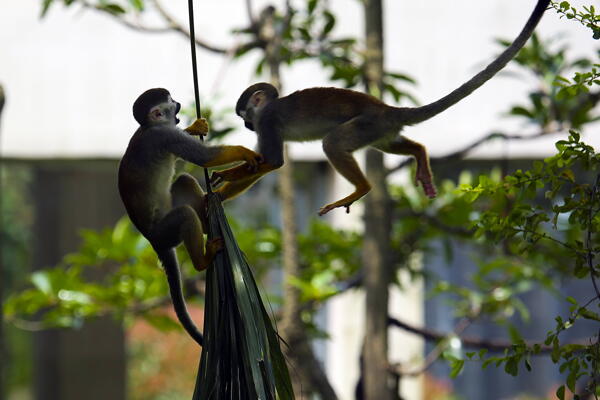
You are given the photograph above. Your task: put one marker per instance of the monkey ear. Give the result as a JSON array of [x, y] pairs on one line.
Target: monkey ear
[[155, 114], [258, 98]]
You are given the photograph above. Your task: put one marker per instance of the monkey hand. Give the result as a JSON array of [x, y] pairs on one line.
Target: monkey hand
[[249, 168], [228, 175], [198, 128], [252, 158]]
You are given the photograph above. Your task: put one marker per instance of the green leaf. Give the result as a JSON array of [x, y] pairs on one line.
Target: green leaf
[[521, 111], [589, 314], [456, 366], [42, 282], [515, 335], [45, 6], [138, 5], [401, 77], [329, 24], [560, 392], [572, 380], [512, 366], [114, 9]]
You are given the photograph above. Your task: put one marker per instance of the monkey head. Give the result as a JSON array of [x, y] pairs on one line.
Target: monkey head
[[155, 106], [252, 101]]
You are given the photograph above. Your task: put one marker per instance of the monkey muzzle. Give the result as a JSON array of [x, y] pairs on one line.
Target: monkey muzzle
[[249, 125], [177, 108]]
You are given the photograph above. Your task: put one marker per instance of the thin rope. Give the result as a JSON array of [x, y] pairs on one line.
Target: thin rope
[[195, 73]]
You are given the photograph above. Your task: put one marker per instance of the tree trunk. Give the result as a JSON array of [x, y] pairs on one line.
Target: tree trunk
[[377, 229], [307, 375]]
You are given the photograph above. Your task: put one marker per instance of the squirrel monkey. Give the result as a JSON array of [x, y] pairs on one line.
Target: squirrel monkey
[[168, 212], [346, 121]]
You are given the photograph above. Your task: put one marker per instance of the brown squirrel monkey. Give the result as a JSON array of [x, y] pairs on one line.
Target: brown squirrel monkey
[[168, 212], [346, 121]]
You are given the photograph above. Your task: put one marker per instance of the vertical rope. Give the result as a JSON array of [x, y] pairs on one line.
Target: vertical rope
[[195, 74]]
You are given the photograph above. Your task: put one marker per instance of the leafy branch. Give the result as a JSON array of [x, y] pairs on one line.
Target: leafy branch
[[587, 17]]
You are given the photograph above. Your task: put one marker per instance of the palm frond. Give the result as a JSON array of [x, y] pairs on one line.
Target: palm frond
[[241, 357]]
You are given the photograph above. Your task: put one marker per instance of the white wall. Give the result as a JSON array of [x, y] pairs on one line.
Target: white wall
[[71, 77]]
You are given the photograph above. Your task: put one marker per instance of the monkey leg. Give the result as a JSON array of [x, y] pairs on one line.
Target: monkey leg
[[404, 146], [183, 224], [186, 191], [339, 152]]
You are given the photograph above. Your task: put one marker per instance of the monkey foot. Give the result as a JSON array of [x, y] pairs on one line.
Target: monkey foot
[[324, 210], [213, 246], [429, 189], [346, 202]]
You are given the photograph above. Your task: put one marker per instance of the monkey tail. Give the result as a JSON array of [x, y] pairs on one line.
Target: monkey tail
[[419, 114], [168, 258]]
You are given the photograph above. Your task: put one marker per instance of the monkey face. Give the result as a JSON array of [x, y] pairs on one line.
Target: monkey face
[[173, 107], [248, 115]]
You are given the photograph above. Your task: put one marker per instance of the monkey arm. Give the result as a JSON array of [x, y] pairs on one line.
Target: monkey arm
[[229, 154], [189, 149], [235, 187], [270, 146]]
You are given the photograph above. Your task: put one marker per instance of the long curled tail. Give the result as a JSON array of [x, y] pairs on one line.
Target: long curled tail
[[168, 258], [414, 115]]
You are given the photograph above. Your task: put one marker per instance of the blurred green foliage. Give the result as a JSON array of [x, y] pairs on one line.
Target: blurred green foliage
[[587, 17], [557, 103], [15, 236]]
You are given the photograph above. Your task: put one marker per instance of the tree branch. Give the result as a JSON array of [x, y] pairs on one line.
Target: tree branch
[[175, 26], [588, 243], [434, 354], [431, 220], [494, 345], [124, 22], [172, 26]]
